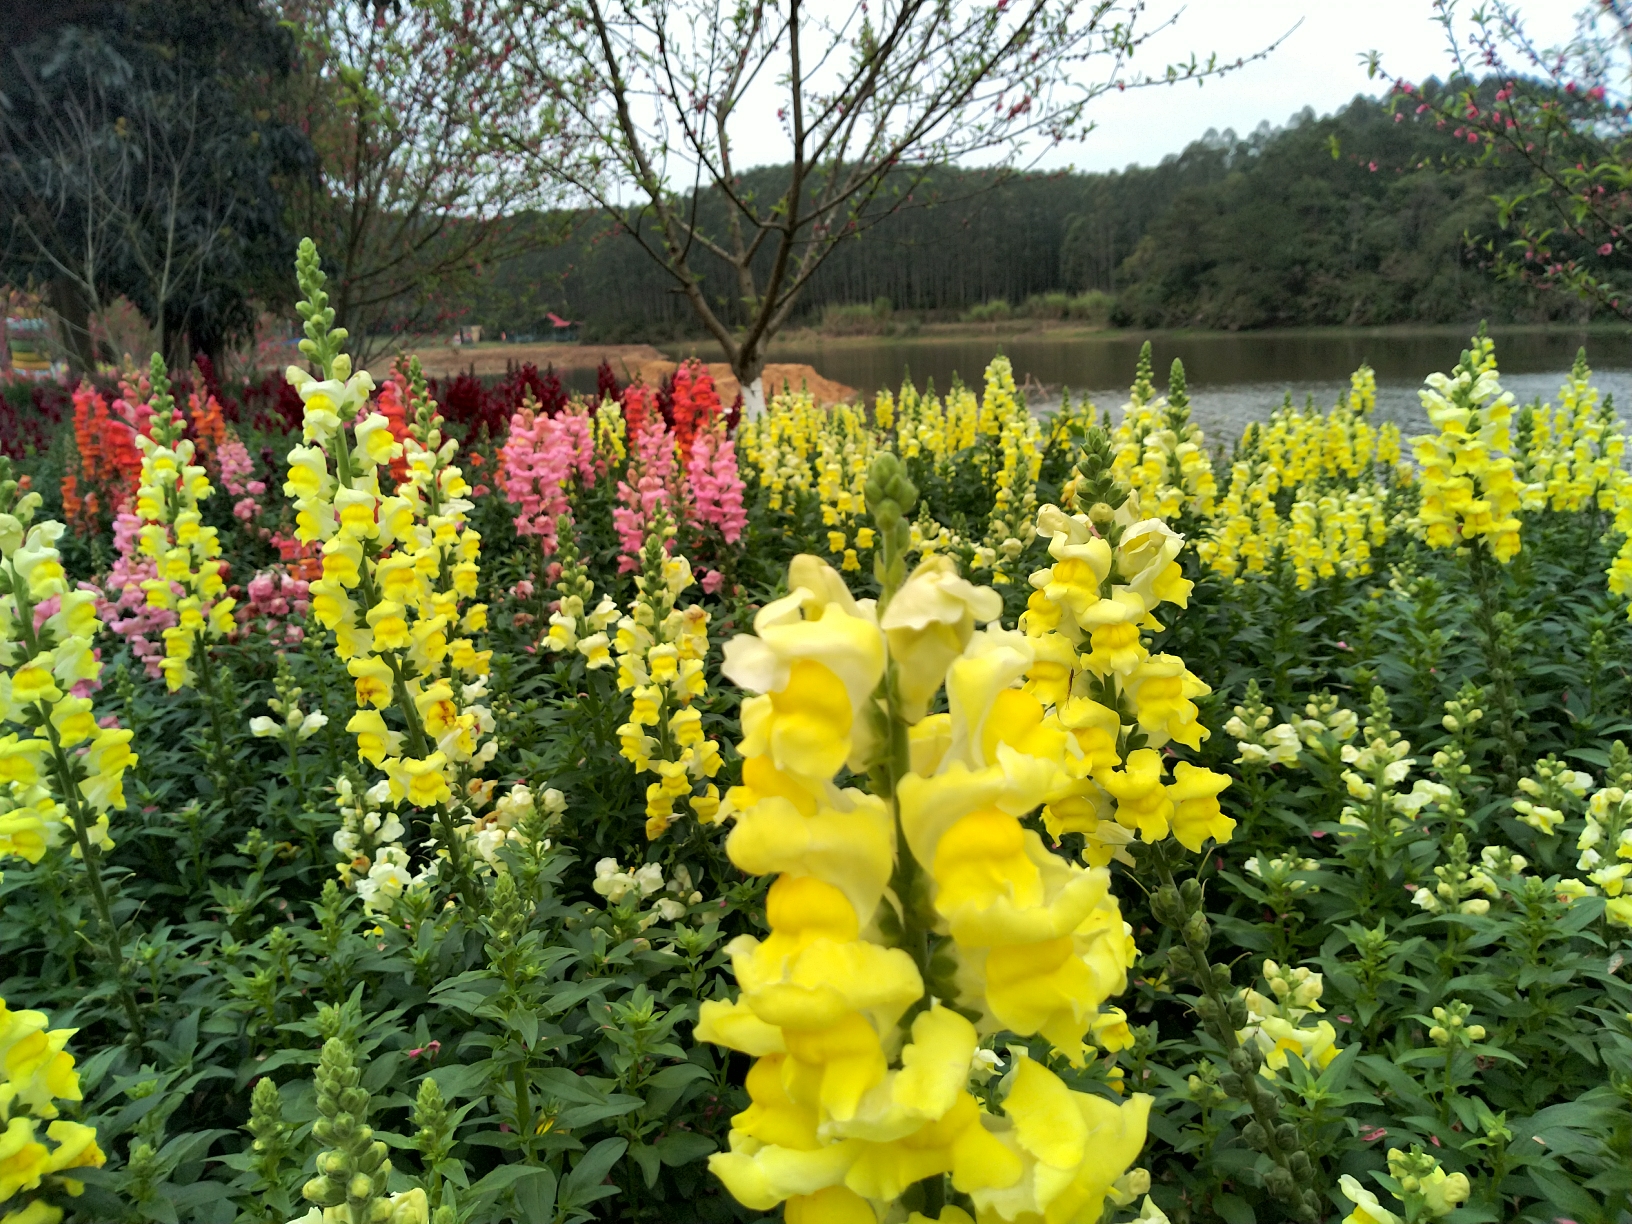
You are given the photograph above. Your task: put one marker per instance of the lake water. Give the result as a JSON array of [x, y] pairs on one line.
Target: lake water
[[1234, 378]]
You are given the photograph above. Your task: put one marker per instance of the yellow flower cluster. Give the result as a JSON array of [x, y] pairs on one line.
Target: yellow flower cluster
[[1160, 452], [184, 551], [1276, 1022], [814, 460], [1427, 1190], [1091, 666], [1572, 456], [611, 431], [36, 1071], [1470, 490], [63, 769], [373, 861], [1574, 459], [1018, 442], [845, 450], [1606, 848], [396, 567], [1334, 533], [1620, 569], [1260, 739], [778, 446], [1309, 490], [661, 650], [574, 626], [908, 923]]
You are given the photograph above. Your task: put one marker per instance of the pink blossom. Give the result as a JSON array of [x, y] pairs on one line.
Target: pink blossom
[[536, 462], [711, 580], [245, 508], [275, 604], [651, 481], [46, 609], [122, 604], [236, 466], [716, 488]]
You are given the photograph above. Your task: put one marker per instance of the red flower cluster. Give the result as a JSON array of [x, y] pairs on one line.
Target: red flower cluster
[[696, 404], [109, 465]]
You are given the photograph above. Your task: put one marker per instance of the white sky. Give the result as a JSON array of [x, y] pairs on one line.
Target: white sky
[[1318, 65]]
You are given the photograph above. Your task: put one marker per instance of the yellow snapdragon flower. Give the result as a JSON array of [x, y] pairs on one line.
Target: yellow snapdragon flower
[[186, 553], [1470, 490], [865, 1044], [399, 565], [36, 1071], [661, 649]]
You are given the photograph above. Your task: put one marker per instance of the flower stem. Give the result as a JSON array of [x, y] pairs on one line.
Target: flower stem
[[1488, 616], [113, 946], [1214, 1011]]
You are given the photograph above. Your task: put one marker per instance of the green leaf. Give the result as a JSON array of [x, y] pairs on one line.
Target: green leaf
[[683, 1147], [1234, 1210], [583, 1184], [535, 1197], [650, 1162], [502, 1178], [679, 1075]]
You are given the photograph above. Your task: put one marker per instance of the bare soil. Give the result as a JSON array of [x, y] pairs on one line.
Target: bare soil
[[443, 360], [628, 362]]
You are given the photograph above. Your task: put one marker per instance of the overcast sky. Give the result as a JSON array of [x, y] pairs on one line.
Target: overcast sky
[[1318, 66]]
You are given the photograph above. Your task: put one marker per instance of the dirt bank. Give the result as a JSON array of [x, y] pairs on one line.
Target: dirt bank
[[628, 361], [776, 375], [441, 361]]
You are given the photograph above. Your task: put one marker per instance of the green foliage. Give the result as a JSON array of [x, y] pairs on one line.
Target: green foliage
[[1237, 231], [256, 1041]]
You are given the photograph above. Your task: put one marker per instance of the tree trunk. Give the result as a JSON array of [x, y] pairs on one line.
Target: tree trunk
[[67, 298]]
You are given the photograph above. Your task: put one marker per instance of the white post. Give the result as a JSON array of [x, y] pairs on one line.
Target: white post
[[753, 399]]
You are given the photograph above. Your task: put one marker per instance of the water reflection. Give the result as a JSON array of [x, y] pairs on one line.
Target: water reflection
[[1210, 359], [1234, 378]]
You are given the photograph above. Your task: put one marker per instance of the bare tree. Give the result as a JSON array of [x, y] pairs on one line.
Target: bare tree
[[174, 228], [59, 177], [648, 98], [408, 204]]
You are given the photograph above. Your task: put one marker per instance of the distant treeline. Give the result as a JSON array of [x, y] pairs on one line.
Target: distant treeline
[[1362, 217]]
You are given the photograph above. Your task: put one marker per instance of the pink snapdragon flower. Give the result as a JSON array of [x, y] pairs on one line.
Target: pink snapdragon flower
[[275, 606], [536, 462], [122, 604], [236, 468], [716, 487], [650, 481]]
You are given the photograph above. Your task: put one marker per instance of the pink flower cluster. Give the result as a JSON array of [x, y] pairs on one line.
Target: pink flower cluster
[[537, 460], [236, 466], [123, 605], [648, 483], [237, 472], [716, 488], [275, 606]]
